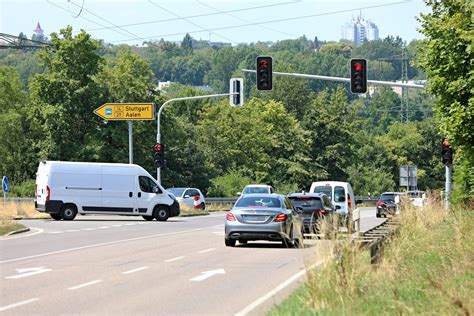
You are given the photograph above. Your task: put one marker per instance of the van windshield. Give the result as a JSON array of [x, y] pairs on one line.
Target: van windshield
[[324, 189]]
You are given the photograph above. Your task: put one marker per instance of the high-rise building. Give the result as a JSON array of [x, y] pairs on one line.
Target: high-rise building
[[359, 30]]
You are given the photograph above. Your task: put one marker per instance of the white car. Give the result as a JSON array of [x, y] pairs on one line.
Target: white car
[[189, 198], [257, 189]]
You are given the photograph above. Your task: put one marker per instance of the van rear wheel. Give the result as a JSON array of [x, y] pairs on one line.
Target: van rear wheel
[[68, 212], [161, 213], [56, 216]]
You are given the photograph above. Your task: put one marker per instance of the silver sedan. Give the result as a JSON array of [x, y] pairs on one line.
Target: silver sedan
[[269, 217]]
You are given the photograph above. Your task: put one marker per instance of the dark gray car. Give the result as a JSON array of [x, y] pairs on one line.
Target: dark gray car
[[269, 217]]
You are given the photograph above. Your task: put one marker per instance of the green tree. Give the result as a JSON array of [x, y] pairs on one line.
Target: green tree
[[187, 44], [64, 97], [448, 61], [17, 158]]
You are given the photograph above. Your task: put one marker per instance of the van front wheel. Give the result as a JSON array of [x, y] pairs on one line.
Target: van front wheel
[[161, 213], [68, 212]]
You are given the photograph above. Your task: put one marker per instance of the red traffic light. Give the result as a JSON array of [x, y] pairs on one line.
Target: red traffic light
[[263, 64], [157, 147], [358, 67]]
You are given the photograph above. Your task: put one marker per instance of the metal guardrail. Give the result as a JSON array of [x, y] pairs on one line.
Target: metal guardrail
[[20, 199]]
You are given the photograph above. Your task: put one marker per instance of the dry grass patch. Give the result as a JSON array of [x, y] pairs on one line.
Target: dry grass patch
[[11, 210], [427, 267]]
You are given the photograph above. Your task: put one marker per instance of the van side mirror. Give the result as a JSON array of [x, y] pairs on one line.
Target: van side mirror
[[156, 190], [341, 199]]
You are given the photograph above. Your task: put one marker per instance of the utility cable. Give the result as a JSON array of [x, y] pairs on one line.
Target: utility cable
[[244, 20], [83, 17], [270, 21], [190, 22], [197, 15]]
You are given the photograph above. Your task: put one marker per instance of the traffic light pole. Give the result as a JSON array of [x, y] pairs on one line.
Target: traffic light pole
[[158, 134], [340, 79]]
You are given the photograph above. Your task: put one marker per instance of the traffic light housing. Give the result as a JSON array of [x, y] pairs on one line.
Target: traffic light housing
[[358, 76], [264, 73], [158, 156], [446, 153], [236, 88]]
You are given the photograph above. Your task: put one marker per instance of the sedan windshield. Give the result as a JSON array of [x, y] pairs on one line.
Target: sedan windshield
[[258, 201], [176, 191], [249, 190], [387, 197]]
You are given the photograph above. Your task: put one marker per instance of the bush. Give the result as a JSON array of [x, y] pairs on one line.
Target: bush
[[228, 185], [24, 189]]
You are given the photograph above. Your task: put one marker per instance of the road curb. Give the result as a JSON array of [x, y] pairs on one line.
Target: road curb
[[23, 230]]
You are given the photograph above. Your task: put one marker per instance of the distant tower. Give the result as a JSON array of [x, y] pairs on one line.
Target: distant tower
[[38, 34], [38, 30], [359, 30]]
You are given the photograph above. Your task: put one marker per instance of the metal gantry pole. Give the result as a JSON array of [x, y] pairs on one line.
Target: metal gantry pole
[[340, 79], [160, 110]]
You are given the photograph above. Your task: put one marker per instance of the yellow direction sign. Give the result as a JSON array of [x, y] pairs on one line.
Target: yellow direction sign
[[126, 111]]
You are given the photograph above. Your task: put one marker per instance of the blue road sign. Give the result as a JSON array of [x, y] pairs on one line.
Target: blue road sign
[[5, 184]]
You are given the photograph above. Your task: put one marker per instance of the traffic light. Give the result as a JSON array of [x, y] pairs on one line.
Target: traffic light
[[158, 156], [236, 97], [358, 76], [446, 152], [264, 73]]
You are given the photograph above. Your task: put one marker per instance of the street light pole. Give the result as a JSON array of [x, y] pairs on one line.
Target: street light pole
[[158, 135]]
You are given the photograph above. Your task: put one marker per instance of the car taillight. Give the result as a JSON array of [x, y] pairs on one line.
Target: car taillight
[[349, 200], [230, 217], [322, 211], [48, 193], [380, 203], [280, 217]]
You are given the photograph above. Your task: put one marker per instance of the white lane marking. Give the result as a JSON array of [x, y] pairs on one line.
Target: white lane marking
[[103, 227], [4, 308], [174, 259], [72, 288], [88, 229], [219, 233], [280, 287], [129, 224], [71, 230], [104, 244], [26, 272], [60, 232], [23, 236], [207, 250], [207, 274], [118, 225], [135, 270]]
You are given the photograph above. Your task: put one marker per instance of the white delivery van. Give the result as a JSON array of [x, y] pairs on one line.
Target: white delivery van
[[340, 193], [64, 189]]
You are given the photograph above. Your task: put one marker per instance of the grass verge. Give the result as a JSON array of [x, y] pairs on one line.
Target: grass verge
[[427, 268], [8, 226]]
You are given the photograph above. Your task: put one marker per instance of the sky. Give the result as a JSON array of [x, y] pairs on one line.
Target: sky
[[234, 21]]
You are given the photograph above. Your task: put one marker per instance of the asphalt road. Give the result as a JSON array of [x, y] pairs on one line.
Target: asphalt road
[[113, 265]]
